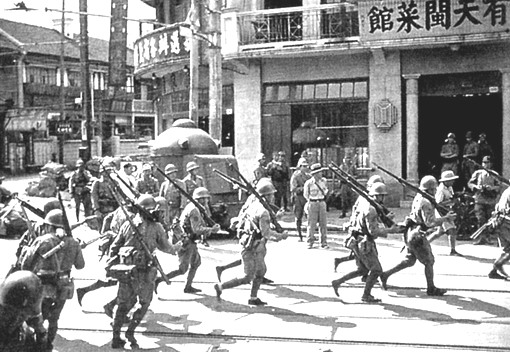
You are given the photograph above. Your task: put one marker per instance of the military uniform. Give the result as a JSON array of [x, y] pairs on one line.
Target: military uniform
[[103, 201], [255, 232], [147, 184], [192, 182], [366, 228], [55, 274], [278, 171], [503, 231], [173, 199], [79, 188], [450, 154], [139, 283], [297, 183]]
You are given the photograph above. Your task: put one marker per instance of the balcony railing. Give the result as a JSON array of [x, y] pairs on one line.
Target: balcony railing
[[145, 106], [338, 21]]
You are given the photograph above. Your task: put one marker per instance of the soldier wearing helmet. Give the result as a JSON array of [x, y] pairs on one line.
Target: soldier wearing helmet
[[450, 154], [255, 225], [195, 228], [297, 184], [350, 225], [315, 192], [80, 184], [422, 218], [51, 257], [138, 285], [486, 188], [146, 183], [21, 295], [366, 228], [469, 154], [279, 172], [174, 201], [103, 200], [192, 180], [444, 194], [503, 226]]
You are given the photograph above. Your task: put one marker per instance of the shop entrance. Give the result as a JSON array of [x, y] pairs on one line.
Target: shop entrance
[[440, 115]]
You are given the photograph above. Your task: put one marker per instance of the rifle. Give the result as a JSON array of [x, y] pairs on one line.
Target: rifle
[[241, 185], [347, 175], [493, 221], [139, 236], [381, 210], [30, 207], [200, 207], [440, 208], [491, 172], [261, 199], [128, 186], [67, 227]]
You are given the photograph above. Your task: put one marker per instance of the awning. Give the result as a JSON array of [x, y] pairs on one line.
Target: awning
[[26, 120]]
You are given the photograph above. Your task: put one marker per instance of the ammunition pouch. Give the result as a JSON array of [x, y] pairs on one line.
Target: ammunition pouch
[[65, 288], [248, 238], [120, 272], [132, 256]]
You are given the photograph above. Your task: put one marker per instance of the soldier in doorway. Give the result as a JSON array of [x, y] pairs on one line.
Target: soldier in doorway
[[450, 154], [470, 151], [484, 148]]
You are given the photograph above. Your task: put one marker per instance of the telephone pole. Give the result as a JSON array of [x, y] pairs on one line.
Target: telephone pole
[[85, 81], [215, 73], [194, 61], [61, 135]]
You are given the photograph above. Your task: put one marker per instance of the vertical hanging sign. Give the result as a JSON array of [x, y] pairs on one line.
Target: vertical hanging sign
[[118, 44]]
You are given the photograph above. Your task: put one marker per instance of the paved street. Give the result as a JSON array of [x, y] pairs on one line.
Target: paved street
[[303, 314]]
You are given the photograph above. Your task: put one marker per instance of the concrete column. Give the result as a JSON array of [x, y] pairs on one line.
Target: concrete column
[[505, 92], [412, 127]]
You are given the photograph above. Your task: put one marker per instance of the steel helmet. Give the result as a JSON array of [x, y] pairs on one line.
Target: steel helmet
[[160, 201], [170, 168], [265, 187], [22, 290], [146, 201], [55, 218], [377, 188], [428, 182], [191, 166], [374, 179], [50, 205], [201, 192], [79, 162]]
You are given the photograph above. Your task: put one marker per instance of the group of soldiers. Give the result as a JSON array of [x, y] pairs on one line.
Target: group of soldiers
[[138, 216]]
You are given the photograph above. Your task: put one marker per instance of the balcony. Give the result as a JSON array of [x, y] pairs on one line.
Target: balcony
[[143, 106], [290, 27]]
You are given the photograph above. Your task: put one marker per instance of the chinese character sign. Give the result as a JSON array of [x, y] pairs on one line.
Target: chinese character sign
[[406, 19], [164, 45]]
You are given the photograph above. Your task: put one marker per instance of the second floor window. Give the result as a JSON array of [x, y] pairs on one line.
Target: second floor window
[[41, 75]]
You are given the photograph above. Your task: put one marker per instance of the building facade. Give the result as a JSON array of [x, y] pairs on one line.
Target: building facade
[[35, 130], [377, 81]]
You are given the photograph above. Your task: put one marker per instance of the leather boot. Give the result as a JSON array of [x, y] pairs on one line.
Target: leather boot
[[130, 334]]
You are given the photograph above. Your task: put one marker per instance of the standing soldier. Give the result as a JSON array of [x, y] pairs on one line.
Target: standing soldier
[[103, 201], [422, 218], [139, 284], [255, 232], [79, 188], [192, 179], [450, 154], [172, 195], [51, 257], [261, 170], [367, 227], [21, 295], [297, 183], [194, 227], [315, 192], [146, 183], [278, 170], [486, 189], [470, 152], [444, 195], [484, 148]]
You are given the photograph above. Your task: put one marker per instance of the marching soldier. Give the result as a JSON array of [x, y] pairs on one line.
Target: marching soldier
[[366, 228], [422, 218], [502, 223], [79, 188], [444, 195], [147, 184], [297, 183], [138, 284], [192, 180], [194, 227], [172, 195], [315, 192], [103, 201], [51, 257], [486, 189], [21, 295], [256, 231]]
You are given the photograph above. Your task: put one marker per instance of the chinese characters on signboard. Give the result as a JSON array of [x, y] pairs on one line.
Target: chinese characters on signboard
[[171, 43], [383, 20]]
